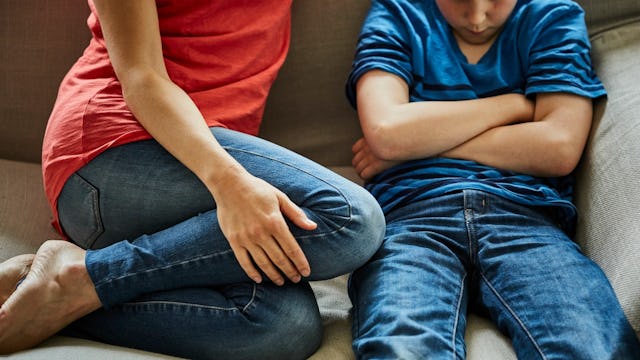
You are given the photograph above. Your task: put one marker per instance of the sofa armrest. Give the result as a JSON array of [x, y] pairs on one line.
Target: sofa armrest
[[608, 184]]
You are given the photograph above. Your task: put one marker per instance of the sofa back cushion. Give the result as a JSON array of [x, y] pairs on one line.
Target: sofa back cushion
[[607, 192], [39, 41], [603, 14], [306, 111]]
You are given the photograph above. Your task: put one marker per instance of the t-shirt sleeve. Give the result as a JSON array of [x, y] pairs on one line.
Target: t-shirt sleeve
[[382, 45], [559, 56]]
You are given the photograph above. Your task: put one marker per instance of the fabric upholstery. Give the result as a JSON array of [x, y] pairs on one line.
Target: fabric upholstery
[[307, 112], [607, 187], [24, 214], [38, 44], [65, 348], [603, 15]]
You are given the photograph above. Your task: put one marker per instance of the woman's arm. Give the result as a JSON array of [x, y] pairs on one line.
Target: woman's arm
[[396, 129], [256, 233], [551, 145]]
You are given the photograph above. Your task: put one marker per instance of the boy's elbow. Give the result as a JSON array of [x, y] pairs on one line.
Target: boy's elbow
[[564, 158], [562, 167], [382, 143]]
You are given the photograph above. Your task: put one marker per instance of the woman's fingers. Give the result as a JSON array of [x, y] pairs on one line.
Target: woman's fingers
[[273, 250], [244, 259], [294, 213], [285, 239], [280, 262], [271, 259], [260, 236], [266, 264]]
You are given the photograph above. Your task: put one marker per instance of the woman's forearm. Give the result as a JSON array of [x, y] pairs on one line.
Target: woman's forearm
[[132, 35], [171, 117]]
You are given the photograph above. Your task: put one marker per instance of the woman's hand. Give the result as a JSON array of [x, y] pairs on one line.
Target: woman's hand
[[251, 213], [366, 163]]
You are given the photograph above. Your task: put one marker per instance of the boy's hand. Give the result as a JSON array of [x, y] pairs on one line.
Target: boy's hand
[[366, 163]]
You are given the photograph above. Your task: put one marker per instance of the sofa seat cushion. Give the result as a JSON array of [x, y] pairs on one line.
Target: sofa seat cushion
[[25, 223], [25, 220]]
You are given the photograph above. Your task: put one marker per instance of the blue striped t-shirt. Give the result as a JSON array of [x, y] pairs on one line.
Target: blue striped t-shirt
[[543, 47]]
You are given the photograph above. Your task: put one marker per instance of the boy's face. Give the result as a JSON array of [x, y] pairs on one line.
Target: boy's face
[[476, 21]]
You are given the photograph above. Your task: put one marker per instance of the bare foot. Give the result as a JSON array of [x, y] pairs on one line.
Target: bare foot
[[56, 291], [11, 272]]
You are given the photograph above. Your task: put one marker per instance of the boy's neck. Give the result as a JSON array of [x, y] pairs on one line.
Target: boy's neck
[[474, 52]]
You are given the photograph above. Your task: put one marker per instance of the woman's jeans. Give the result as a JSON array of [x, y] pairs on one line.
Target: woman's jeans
[[168, 279], [470, 249]]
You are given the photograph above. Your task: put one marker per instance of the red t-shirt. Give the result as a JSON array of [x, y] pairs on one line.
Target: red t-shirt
[[224, 55]]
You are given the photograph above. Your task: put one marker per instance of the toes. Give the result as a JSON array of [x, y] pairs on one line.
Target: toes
[[12, 272]]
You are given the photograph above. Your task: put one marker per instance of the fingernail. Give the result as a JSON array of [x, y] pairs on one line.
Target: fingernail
[[257, 279]]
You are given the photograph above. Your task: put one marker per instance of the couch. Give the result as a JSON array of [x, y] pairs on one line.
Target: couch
[[308, 113]]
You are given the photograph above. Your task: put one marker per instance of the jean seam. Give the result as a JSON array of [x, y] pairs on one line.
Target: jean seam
[[457, 317], [165, 267], [469, 217], [199, 306], [513, 314], [346, 200], [253, 298], [191, 305]]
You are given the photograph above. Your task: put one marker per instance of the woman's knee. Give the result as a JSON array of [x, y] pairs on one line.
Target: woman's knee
[[367, 226], [346, 247]]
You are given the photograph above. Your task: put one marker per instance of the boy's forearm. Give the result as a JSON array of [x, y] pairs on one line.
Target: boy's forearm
[[550, 146], [397, 129], [424, 129], [523, 148]]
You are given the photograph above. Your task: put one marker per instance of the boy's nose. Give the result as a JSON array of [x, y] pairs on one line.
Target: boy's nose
[[477, 13]]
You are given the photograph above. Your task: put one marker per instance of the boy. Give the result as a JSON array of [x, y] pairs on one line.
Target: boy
[[474, 114]]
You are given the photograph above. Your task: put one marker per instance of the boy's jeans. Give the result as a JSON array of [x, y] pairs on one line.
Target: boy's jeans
[[176, 287], [445, 255]]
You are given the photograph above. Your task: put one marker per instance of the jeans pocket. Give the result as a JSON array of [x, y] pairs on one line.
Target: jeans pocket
[[79, 211]]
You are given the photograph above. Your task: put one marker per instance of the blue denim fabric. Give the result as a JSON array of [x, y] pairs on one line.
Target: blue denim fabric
[[472, 250], [167, 277]]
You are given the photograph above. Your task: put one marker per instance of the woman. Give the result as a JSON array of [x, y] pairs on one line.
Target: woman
[[200, 236]]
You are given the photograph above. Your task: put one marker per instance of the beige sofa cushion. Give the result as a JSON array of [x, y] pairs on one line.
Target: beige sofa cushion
[[608, 188], [605, 14], [39, 42]]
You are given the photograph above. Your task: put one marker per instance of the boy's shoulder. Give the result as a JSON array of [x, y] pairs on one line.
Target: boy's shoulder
[[542, 7], [531, 17]]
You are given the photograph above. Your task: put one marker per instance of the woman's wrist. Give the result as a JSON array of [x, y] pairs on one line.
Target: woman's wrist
[[223, 178]]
